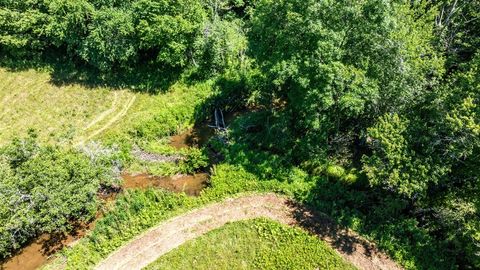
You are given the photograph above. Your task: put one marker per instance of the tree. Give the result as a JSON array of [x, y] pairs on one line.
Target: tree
[[337, 65], [111, 40], [430, 156], [21, 28], [68, 23], [167, 29], [394, 165], [221, 46], [457, 28], [45, 189]]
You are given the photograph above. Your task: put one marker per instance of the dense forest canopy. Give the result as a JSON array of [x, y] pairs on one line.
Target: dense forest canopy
[[382, 95], [113, 34]]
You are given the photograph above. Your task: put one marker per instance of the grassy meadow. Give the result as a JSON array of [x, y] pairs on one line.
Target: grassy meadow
[[63, 113]]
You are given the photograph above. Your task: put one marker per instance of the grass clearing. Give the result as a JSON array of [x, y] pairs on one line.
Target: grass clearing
[[156, 116], [28, 99], [253, 244]]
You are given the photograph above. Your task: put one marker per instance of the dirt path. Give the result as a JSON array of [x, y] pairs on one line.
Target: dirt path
[[114, 119], [154, 243]]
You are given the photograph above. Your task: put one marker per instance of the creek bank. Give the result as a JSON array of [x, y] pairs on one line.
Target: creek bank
[[190, 184], [40, 250]]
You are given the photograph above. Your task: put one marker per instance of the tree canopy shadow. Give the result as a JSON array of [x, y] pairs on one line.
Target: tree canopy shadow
[[140, 77], [327, 229], [245, 139]]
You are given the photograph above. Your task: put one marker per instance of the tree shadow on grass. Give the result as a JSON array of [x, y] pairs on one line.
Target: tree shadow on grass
[[329, 230], [348, 206], [145, 78]]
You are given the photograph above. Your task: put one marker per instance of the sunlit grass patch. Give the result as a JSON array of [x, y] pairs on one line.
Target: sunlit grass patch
[[28, 99], [253, 244]]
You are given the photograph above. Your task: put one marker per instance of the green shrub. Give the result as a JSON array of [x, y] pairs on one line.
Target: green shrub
[[350, 178], [46, 189], [335, 171], [194, 160], [169, 114]]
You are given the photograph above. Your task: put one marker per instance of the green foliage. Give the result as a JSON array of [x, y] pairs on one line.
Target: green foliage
[[456, 26], [134, 212], [137, 210], [47, 189], [335, 171], [104, 34], [191, 160], [168, 28], [111, 39], [360, 84], [430, 156], [393, 164], [338, 65], [253, 244], [68, 23], [381, 217], [350, 178], [171, 114], [194, 160], [221, 46], [21, 29]]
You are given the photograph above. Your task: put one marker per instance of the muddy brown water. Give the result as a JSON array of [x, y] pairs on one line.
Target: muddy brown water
[[38, 252], [200, 133], [197, 136]]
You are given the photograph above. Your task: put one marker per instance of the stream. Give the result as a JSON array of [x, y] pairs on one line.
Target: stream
[[39, 251]]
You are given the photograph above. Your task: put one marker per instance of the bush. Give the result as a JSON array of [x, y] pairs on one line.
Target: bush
[[195, 159], [45, 189], [335, 171], [350, 178]]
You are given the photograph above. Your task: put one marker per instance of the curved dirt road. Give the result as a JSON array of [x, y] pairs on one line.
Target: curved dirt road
[[172, 233]]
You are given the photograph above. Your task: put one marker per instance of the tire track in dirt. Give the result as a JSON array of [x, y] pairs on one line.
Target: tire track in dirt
[[104, 114], [172, 233], [114, 119]]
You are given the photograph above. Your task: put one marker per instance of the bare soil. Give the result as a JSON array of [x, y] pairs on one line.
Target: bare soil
[[146, 248]]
